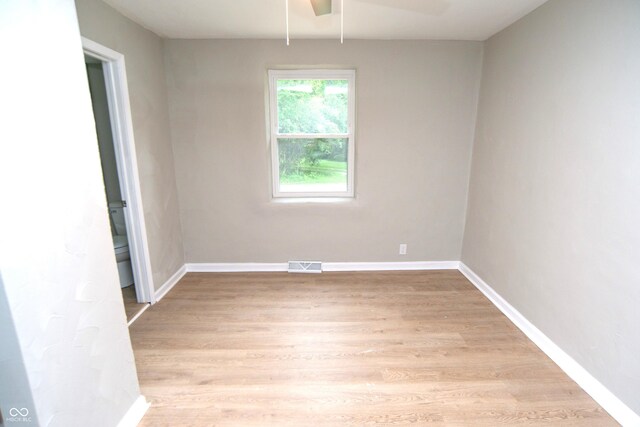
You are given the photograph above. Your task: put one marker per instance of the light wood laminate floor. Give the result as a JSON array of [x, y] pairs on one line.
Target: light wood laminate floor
[[333, 349]]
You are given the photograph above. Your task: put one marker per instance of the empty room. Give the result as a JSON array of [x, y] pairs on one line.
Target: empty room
[[320, 212]]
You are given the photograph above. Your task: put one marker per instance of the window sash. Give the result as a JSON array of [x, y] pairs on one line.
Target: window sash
[[311, 135], [274, 76]]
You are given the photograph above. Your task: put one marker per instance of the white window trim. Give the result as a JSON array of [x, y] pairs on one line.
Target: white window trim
[[350, 76]]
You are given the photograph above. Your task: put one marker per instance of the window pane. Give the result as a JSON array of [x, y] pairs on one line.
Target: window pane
[[312, 106], [313, 165]]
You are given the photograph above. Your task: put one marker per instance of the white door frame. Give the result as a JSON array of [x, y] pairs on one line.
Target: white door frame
[[122, 129]]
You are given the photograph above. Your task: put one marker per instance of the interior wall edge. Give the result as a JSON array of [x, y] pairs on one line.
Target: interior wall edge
[[474, 132]]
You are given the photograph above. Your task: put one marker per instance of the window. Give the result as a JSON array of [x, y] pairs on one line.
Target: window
[[312, 144]]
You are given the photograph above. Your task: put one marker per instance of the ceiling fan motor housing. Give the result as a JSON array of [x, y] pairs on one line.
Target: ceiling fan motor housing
[[321, 7]]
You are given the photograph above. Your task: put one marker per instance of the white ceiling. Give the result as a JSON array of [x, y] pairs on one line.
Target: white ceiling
[[363, 19]]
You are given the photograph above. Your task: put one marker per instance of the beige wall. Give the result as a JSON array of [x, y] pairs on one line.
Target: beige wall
[[57, 269], [143, 53], [415, 108], [554, 201]]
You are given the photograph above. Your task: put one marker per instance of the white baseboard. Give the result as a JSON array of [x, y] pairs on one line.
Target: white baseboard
[[138, 314], [236, 267], [390, 266], [135, 413], [614, 406], [170, 283], [326, 266]]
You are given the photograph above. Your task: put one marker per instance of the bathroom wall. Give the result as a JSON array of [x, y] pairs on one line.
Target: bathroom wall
[[103, 128], [57, 267], [143, 53], [554, 202], [415, 110]]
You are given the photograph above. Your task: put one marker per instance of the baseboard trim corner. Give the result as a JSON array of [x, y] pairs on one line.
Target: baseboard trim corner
[[135, 413], [170, 283], [605, 398]]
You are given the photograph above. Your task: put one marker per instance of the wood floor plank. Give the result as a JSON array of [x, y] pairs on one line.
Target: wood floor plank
[[345, 349]]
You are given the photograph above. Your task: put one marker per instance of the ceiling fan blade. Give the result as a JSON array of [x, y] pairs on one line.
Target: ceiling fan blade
[[432, 7], [321, 7]]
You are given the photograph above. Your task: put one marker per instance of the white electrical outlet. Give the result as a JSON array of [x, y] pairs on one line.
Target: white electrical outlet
[[403, 249]]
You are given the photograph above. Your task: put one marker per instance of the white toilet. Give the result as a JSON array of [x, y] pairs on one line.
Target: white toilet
[[121, 244]]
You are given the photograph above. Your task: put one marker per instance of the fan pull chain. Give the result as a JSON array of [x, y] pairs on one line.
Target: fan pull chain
[[341, 21], [286, 11]]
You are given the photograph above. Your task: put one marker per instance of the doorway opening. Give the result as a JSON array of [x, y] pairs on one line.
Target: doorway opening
[[109, 96]]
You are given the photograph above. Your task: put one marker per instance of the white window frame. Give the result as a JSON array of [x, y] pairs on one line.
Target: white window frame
[[307, 74]]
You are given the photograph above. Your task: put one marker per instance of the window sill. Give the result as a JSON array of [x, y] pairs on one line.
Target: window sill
[[305, 200]]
